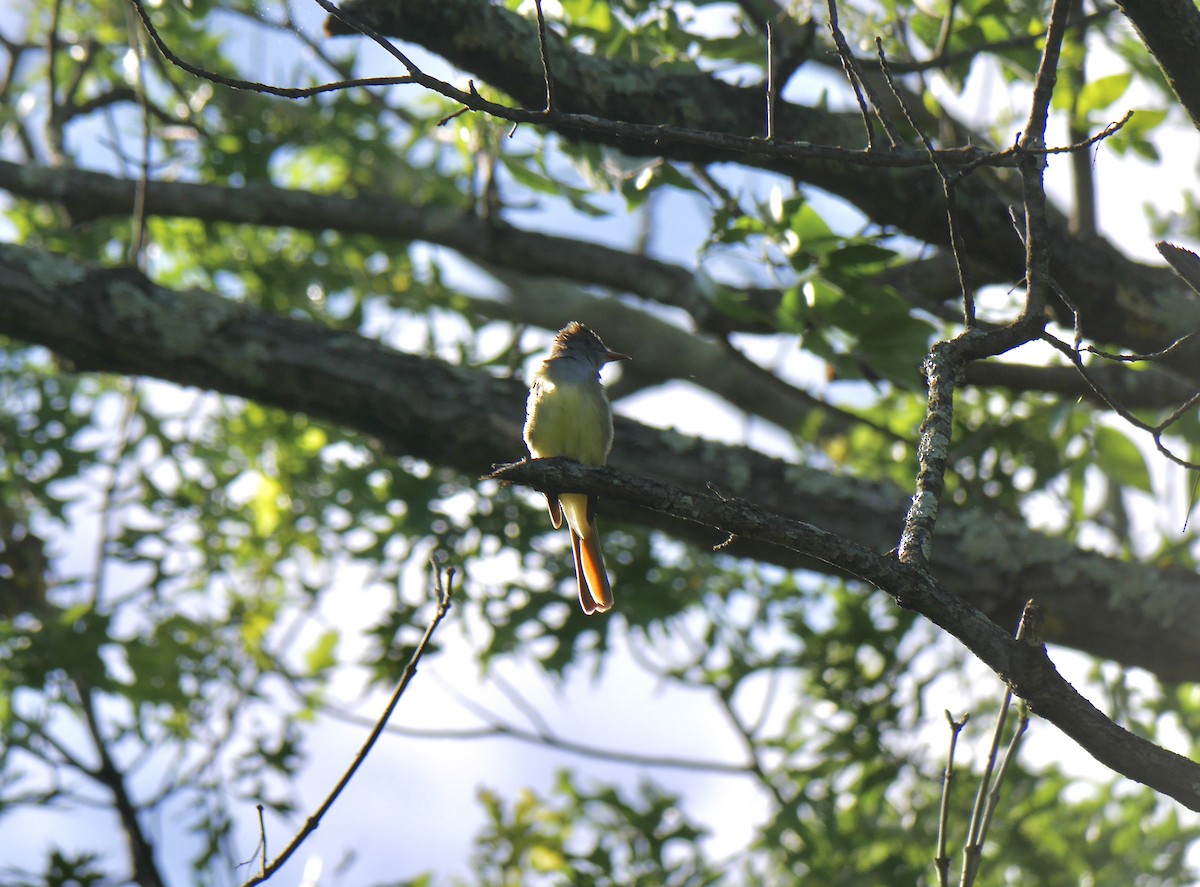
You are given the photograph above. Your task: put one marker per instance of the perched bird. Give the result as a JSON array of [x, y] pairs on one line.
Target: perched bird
[[567, 414]]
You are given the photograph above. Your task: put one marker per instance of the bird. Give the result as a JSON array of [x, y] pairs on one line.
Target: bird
[[568, 414]]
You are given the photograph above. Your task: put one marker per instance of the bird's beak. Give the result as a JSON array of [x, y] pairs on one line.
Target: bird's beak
[[610, 356]]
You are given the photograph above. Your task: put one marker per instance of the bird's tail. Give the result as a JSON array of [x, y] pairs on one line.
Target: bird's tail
[[595, 592]]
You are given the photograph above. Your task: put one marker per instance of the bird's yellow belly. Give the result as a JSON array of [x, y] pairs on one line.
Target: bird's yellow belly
[[570, 421]]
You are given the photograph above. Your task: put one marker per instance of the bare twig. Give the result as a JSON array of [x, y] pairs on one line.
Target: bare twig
[[943, 43], [545, 53], [15, 50], [145, 871], [973, 847], [87, 48], [957, 245], [857, 82], [496, 728], [1010, 153], [1032, 168], [751, 146], [942, 60], [942, 860], [751, 747], [1029, 632], [343, 68], [137, 241], [1010, 754], [262, 836], [522, 704], [772, 86], [444, 591], [106, 528], [1146, 390], [1149, 356], [54, 132], [251, 85], [1083, 174], [1156, 431]]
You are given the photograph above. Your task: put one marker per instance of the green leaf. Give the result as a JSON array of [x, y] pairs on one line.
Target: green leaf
[[814, 232], [321, 655], [1120, 459], [1096, 95], [267, 506]]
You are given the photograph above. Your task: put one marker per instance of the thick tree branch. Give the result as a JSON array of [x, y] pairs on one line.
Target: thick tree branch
[[1120, 300], [927, 283], [115, 321], [1026, 668], [92, 195], [1171, 31]]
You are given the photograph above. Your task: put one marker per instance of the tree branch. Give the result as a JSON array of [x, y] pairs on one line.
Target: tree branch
[[444, 589], [925, 283], [145, 871], [116, 321], [1171, 31], [1026, 668], [501, 47], [92, 195]]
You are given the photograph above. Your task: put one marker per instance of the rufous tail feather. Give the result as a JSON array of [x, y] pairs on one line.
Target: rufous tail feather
[[555, 510], [595, 593]]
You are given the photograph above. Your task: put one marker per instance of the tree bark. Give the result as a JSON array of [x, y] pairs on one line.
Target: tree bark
[[116, 321]]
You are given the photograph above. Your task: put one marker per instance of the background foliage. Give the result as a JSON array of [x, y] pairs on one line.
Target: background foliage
[[199, 590]]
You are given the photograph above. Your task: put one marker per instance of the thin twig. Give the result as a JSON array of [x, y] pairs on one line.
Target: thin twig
[[774, 678], [251, 85], [973, 847], [1029, 630], [885, 68], [522, 704], [1011, 153], [1010, 754], [750, 146], [957, 245], [939, 51], [1032, 168], [947, 59], [87, 50], [54, 134], [137, 240], [1151, 356], [855, 79], [262, 837], [1156, 431], [544, 50], [145, 871], [771, 85], [942, 859], [988, 796], [1034, 135], [444, 592], [107, 529], [343, 68], [495, 728], [751, 747]]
